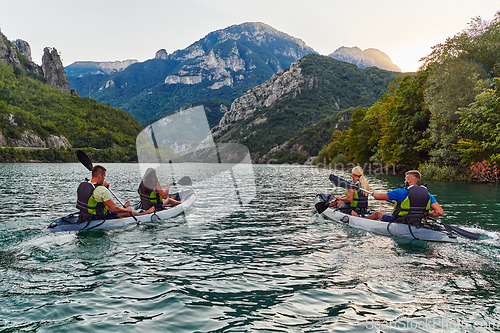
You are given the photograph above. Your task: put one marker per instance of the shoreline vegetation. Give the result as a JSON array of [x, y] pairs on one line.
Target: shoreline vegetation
[[66, 155]]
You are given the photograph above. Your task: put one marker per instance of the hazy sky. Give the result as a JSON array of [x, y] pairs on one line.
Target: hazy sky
[[109, 30]]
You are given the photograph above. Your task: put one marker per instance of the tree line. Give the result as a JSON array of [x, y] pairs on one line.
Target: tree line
[[444, 119]]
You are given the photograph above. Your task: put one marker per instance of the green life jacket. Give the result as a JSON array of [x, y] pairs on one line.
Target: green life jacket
[[86, 202], [359, 200], [418, 201], [149, 198]]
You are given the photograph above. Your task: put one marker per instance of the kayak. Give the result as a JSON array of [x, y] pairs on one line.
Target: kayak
[[436, 234], [70, 222]]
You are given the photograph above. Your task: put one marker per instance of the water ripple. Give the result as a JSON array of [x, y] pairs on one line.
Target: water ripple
[[271, 265]]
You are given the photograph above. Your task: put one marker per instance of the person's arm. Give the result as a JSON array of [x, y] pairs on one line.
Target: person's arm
[[116, 209], [350, 196], [380, 196], [163, 194], [437, 210]]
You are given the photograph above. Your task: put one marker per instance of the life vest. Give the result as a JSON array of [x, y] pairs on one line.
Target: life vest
[[418, 201], [359, 200], [86, 203], [149, 198]]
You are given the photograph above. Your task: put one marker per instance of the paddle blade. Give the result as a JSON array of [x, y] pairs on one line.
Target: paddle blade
[[321, 202], [337, 181], [185, 181], [84, 159], [462, 232]]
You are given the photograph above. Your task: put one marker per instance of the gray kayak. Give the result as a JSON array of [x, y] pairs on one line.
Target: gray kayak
[[436, 234], [70, 222]]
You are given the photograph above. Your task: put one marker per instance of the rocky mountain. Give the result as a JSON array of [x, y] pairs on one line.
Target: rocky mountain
[[223, 65], [17, 54], [268, 117], [53, 70], [82, 68], [366, 58]]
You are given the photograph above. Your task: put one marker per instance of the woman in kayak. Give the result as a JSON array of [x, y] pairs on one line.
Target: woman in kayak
[[152, 194], [354, 201]]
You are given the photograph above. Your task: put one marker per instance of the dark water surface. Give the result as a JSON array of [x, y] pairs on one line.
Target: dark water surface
[[234, 265]]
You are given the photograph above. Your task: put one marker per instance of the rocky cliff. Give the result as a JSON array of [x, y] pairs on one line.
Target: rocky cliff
[[366, 58], [17, 54], [263, 95], [23, 47], [82, 68], [53, 70], [161, 54], [222, 58], [29, 139]]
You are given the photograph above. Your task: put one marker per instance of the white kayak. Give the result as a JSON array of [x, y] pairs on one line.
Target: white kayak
[[392, 228], [70, 222]]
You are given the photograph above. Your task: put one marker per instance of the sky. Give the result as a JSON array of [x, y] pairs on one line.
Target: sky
[[110, 30]]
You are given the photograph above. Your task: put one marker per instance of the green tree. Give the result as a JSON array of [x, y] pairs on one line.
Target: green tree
[[479, 128]]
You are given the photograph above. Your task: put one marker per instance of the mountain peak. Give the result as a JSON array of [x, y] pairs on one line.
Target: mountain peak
[[367, 58], [261, 34]]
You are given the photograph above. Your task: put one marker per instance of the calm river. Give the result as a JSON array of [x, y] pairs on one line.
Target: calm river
[[251, 258]]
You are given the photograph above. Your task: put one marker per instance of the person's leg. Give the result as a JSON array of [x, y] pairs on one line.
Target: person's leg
[[375, 216], [171, 201]]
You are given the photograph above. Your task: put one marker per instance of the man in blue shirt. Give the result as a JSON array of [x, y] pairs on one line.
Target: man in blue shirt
[[412, 178]]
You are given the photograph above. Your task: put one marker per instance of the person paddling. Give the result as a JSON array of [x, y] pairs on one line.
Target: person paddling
[[152, 194], [354, 201], [412, 200], [94, 199]]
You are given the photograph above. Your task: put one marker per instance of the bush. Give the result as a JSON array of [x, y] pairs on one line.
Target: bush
[[431, 171], [485, 172]]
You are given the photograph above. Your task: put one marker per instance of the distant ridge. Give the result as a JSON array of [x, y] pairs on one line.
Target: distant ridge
[[82, 68], [363, 59], [219, 67]]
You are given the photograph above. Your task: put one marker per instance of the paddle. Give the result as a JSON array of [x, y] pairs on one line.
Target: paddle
[[461, 232], [184, 181], [322, 202], [348, 185], [345, 184], [85, 160]]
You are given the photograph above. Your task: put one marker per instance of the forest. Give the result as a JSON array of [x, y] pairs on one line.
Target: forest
[[443, 119]]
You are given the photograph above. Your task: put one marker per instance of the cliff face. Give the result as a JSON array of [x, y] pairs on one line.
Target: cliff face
[[82, 68], [53, 70], [24, 48], [263, 95], [29, 139], [17, 54], [366, 58], [227, 56]]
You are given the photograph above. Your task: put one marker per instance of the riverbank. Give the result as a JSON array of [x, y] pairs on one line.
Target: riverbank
[[66, 155]]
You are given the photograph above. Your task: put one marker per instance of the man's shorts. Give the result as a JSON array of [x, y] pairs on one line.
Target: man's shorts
[[388, 218]]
